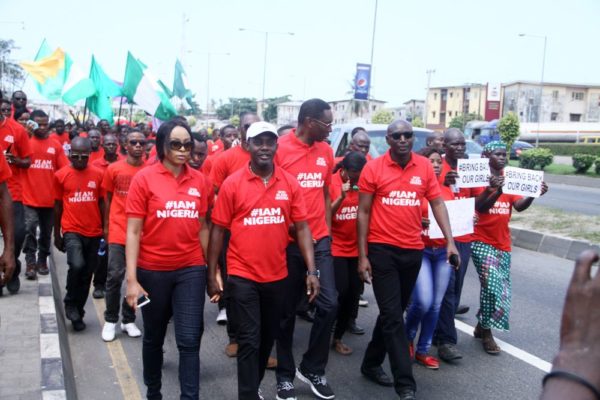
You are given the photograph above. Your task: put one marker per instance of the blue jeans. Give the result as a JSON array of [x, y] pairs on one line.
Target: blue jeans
[[179, 294], [427, 297]]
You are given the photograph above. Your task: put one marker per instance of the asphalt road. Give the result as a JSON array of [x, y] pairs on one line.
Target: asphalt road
[[114, 370], [577, 199]]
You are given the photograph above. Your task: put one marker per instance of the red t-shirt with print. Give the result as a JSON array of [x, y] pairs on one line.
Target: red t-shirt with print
[[15, 140], [343, 223], [492, 227]]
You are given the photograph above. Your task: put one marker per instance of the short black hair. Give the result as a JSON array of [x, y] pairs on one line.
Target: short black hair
[[164, 133], [356, 129], [312, 108], [5, 101], [284, 127], [428, 150], [19, 112], [59, 120], [198, 137], [38, 114], [222, 130], [354, 161], [18, 91]]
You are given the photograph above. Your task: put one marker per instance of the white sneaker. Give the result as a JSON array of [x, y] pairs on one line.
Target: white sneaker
[[108, 331], [222, 317], [131, 329]]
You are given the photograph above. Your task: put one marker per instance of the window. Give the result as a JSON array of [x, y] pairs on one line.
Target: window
[[553, 116], [450, 112], [494, 105], [555, 94], [435, 96], [574, 117], [451, 94], [577, 96], [374, 108], [433, 114]]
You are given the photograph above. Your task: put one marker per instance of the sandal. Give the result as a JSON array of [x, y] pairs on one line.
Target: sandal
[[490, 346], [341, 348]]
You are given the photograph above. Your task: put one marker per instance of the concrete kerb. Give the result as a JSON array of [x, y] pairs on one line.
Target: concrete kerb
[[550, 244], [58, 379], [574, 180]]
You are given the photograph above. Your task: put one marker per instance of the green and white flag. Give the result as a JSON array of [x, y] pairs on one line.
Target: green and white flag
[[101, 102], [141, 88], [77, 85], [180, 82]]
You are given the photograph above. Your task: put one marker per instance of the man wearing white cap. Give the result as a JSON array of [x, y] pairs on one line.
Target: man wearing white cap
[[258, 203]]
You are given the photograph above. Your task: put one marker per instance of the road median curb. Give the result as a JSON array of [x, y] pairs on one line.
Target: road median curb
[[550, 244], [574, 180]]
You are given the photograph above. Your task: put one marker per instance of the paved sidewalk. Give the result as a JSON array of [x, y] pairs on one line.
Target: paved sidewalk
[[20, 371]]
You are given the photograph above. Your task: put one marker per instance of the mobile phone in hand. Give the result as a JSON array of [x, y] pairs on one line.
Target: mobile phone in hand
[[454, 260], [142, 301]]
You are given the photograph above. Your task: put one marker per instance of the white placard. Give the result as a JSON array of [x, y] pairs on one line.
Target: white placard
[[523, 182], [461, 214], [473, 172]]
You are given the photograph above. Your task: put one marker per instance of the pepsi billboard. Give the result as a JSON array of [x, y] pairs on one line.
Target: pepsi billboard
[[362, 81]]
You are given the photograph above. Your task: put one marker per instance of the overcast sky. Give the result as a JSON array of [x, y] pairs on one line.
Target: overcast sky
[[464, 41]]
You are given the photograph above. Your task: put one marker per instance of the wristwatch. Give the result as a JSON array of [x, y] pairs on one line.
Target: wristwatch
[[316, 273]]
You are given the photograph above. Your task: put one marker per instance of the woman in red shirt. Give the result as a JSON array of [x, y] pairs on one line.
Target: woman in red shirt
[[344, 248], [432, 281], [166, 243], [491, 248]]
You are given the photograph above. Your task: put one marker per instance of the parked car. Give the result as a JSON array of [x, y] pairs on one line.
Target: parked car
[[518, 147]]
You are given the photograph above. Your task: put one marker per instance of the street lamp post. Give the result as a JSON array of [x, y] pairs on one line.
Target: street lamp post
[[208, 78], [537, 136], [266, 33], [429, 72]]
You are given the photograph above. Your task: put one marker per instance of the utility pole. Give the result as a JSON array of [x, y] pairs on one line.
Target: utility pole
[[429, 72]]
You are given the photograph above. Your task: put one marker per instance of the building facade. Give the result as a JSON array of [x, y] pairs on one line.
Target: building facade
[[560, 102], [287, 112], [350, 110]]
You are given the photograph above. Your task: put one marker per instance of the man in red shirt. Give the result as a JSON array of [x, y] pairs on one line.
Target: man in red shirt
[[445, 335], [96, 140], [7, 260], [304, 154], [38, 195], [14, 143], [227, 135], [109, 144], [78, 225], [258, 201], [116, 185], [60, 134], [392, 188]]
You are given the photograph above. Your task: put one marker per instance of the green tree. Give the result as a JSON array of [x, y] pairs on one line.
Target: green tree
[[236, 106], [509, 129], [12, 75], [417, 122], [235, 120], [382, 117], [460, 121], [270, 112]]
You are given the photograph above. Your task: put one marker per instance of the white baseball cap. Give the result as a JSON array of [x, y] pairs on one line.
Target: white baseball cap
[[260, 127]]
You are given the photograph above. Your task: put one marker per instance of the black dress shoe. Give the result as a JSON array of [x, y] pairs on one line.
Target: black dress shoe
[[462, 309], [72, 313], [355, 329], [14, 284], [449, 352], [98, 293], [377, 375], [407, 394], [78, 325]]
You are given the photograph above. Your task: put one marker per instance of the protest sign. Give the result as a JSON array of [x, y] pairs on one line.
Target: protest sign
[[473, 172], [523, 182], [461, 214]]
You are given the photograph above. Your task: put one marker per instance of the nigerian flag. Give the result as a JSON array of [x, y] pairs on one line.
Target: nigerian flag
[[180, 82], [141, 88], [101, 102]]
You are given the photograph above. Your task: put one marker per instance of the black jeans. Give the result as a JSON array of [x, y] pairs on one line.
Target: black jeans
[[445, 332], [395, 272], [223, 301], [19, 222], [44, 218], [257, 309], [347, 283], [315, 358], [114, 280], [179, 294], [82, 256], [101, 269]]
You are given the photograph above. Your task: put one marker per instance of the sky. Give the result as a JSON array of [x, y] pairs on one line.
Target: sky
[[464, 41]]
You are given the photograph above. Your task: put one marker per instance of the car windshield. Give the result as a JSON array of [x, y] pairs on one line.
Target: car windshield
[[379, 145]]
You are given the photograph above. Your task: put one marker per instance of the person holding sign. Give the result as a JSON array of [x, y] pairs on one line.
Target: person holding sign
[[432, 281], [492, 245]]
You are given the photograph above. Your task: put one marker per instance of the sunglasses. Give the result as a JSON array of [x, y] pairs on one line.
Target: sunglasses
[[323, 124], [136, 142], [177, 145], [79, 156], [5, 109], [398, 135]]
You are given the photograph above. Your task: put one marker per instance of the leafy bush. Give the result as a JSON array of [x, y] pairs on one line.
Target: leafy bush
[[509, 130], [535, 157], [598, 165], [582, 162], [568, 149]]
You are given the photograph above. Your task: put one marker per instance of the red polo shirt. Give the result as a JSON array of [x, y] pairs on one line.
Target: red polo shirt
[[117, 179], [96, 155], [47, 157], [15, 140], [62, 138], [492, 227], [463, 193], [397, 196], [170, 208], [215, 147], [227, 163], [5, 173], [102, 164], [258, 218], [312, 166], [343, 223], [79, 192], [207, 166]]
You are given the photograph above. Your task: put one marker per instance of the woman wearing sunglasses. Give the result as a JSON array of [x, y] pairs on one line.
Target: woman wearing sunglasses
[[166, 245]]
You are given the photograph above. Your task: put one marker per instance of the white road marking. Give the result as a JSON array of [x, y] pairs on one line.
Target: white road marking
[[510, 349]]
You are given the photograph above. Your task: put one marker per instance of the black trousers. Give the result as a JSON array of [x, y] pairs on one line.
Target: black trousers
[[347, 283], [19, 222], [82, 256], [257, 309], [101, 269], [395, 272]]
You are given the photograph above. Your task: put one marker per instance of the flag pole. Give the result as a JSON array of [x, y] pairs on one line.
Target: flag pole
[[84, 111], [130, 113], [120, 107]]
